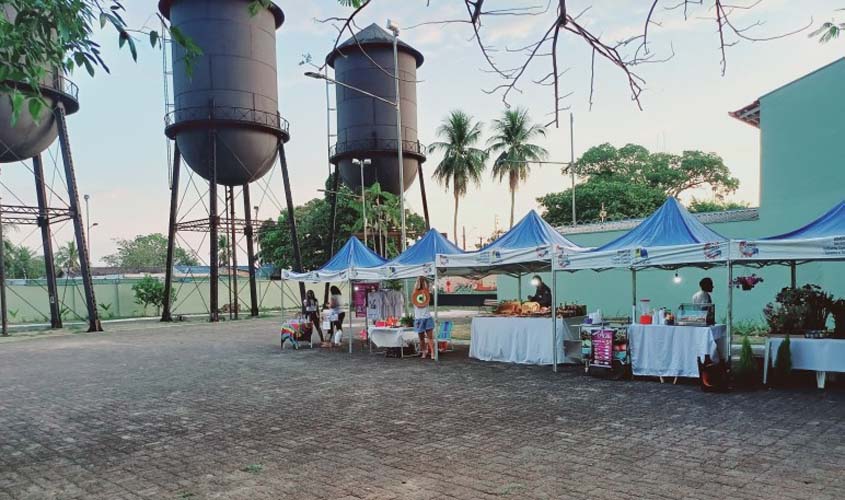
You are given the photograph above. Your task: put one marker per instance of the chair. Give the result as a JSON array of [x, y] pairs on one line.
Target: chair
[[445, 335]]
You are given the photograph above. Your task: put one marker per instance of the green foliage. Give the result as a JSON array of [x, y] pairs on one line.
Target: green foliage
[[150, 292], [632, 182], [750, 328], [45, 38], [314, 221], [746, 366], [783, 360], [254, 468], [407, 321], [511, 144], [799, 309], [828, 31], [148, 250], [715, 205], [105, 310], [67, 258], [462, 163], [21, 263]]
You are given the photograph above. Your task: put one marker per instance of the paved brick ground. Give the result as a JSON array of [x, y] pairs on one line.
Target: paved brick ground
[[218, 412]]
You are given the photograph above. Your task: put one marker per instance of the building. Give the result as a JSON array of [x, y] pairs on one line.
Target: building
[[802, 175]]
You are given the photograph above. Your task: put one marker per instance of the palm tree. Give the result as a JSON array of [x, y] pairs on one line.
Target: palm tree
[[68, 258], [512, 141], [462, 163]]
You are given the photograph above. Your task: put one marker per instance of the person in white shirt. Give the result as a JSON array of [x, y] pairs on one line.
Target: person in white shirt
[[703, 297], [336, 306], [423, 322]]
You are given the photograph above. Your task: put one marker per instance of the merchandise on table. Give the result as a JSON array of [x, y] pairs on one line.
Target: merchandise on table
[[530, 309], [385, 304], [696, 314]]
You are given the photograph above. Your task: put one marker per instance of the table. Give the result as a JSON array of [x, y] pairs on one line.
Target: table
[[384, 336], [818, 355], [672, 351], [518, 340]]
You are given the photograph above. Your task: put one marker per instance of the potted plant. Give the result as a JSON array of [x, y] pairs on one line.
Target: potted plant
[[407, 321], [746, 282], [799, 310], [745, 374]]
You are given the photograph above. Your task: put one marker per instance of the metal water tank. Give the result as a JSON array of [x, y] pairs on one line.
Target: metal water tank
[[30, 136], [231, 88], [366, 127]]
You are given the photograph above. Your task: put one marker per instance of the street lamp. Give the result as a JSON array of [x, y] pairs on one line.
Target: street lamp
[[361, 164], [394, 28], [88, 225]]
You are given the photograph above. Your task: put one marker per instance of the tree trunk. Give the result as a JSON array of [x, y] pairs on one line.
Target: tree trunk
[[513, 199], [455, 220]]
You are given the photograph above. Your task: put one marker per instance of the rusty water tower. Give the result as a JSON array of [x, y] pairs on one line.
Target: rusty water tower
[[225, 121], [25, 141], [366, 127]]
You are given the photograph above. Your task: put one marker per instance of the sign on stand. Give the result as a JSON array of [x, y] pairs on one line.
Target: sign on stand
[[602, 341]]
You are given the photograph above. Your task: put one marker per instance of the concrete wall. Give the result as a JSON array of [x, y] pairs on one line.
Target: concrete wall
[[802, 176]]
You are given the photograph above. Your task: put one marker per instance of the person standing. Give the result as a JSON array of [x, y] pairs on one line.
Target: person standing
[[703, 297], [337, 314], [312, 312], [542, 294], [423, 322]]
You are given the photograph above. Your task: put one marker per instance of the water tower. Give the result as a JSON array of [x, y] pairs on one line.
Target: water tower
[[366, 127], [25, 141], [226, 123]]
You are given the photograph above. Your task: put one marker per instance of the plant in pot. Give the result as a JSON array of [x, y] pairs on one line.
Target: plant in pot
[[407, 321], [745, 373]]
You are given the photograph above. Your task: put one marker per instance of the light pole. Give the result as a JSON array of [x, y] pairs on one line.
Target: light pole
[[394, 28], [361, 164], [88, 225]]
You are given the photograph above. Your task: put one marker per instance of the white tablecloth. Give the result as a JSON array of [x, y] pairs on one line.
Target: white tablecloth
[[821, 355], [392, 337], [672, 351], [517, 340]]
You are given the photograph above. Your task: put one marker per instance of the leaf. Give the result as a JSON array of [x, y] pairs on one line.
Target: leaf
[[121, 40], [103, 20], [153, 38], [36, 106], [88, 66], [17, 99]]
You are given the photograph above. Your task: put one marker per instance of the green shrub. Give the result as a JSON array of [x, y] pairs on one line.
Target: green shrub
[[783, 360]]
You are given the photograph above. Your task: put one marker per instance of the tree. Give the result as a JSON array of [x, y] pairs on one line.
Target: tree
[[67, 258], [21, 263], [512, 136], [632, 182], [462, 163], [697, 205], [148, 250], [829, 30], [150, 292]]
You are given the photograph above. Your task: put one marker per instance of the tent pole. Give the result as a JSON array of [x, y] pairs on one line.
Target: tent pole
[[351, 309], [793, 275], [436, 320], [730, 311], [554, 317], [634, 295], [519, 287], [283, 296]]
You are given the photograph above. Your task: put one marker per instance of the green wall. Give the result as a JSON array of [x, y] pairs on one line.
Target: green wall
[[802, 176]]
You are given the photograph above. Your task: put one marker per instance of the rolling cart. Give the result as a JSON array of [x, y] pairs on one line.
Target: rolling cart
[[604, 348]]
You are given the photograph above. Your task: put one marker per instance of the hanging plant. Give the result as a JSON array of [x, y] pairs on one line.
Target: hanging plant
[[746, 282]]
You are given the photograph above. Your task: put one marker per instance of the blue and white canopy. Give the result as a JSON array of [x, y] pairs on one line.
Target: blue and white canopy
[[417, 260], [527, 247], [821, 239], [353, 256], [670, 237]]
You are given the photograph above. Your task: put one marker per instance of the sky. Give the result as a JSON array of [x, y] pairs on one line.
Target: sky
[[120, 152]]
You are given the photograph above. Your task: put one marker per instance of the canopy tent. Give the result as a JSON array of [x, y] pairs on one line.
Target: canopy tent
[[821, 239], [670, 237], [526, 247], [353, 256], [417, 260]]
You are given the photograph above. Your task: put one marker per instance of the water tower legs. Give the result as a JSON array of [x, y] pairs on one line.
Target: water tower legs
[[233, 252], [171, 237], [297, 256], [333, 227], [250, 252], [424, 199], [76, 215], [43, 222], [213, 222]]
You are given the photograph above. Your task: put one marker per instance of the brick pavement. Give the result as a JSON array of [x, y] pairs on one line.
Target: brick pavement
[[217, 411]]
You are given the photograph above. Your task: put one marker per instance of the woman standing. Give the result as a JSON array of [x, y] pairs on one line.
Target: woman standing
[[423, 322], [311, 312], [338, 314]]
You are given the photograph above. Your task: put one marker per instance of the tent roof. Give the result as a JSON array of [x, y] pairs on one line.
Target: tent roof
[[425, 250], [530, 232], [352, 254], [669, 225], [832, 223]]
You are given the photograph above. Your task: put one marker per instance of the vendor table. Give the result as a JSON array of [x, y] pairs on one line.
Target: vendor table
[[672, 351], [518, 340], [818, 355], [383, 336]]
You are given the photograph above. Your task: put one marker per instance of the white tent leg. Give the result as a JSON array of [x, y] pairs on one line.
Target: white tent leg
[[730, 312], [634, 296], [554, 320], [351, 309], [283, 300], [793, 275], [436, 346]]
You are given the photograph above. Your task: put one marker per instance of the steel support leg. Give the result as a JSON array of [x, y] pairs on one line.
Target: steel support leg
[[167, 305], [47, 243], [73, 200], [233, 249], [424, 198], [4, 317], [297, 256], [250, 253], [214, 222], [333, 226]]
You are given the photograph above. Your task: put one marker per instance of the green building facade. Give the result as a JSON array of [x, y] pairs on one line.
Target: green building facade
[[802, 175]]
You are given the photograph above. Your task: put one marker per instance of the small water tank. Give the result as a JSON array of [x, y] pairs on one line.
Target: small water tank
[[30, 137], [231, 88], [366, 127]]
